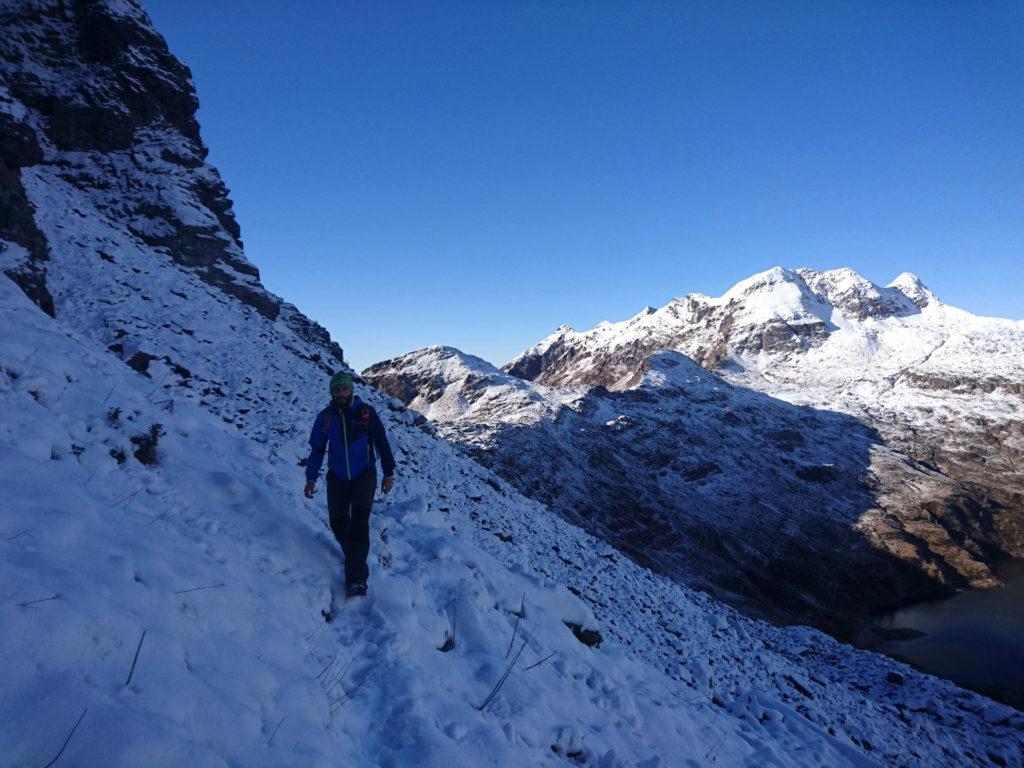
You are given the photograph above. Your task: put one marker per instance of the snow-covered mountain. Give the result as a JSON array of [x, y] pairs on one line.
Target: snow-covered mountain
[[846, 447], [792, 513], [162, 576], [942, 384]]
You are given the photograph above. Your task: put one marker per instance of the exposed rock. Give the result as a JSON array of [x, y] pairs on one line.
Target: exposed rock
[[105, 107], [23, 248], [589, 637], [110, 215]]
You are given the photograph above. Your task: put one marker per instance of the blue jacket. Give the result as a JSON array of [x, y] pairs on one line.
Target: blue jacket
[[352, 434]]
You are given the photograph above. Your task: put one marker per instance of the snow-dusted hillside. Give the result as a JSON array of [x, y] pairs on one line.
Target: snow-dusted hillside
[[200, 580], [119, 227], [793, 513], [167, 612], [942, 384], [938, 384]]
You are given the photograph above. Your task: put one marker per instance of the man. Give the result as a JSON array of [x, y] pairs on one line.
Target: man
[[353, 430]]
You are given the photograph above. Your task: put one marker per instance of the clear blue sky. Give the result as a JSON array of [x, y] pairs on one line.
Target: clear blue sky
[[478, 173]]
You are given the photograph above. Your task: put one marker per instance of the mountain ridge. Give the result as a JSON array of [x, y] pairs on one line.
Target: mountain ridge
[[935, 486], [908, 367]]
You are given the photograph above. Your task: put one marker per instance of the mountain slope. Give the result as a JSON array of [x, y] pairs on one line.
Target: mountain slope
[[941, 384], [163, 577], [122, 228], [791, 513], [213, 554]]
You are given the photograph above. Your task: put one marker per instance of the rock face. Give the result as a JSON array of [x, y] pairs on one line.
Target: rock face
[[109, 213], [852, 446]]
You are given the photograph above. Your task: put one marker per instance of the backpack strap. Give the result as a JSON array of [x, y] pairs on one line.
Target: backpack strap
[[327, 423], [365, 416]]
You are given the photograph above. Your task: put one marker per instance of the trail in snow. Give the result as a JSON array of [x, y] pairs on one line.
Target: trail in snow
[[217, 558]]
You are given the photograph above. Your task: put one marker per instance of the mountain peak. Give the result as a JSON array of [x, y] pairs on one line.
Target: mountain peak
[[452, 359], [777, 294], [910, 285], [763, 281], [841, 278], [856, 297]]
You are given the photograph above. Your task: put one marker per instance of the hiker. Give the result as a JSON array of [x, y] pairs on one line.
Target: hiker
[[353, 431]]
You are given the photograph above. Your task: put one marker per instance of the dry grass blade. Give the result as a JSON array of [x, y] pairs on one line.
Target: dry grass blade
[[68, 739], [271, 739], [135, 660], [502, 679], [337, 703], [513, 640], [41, 600], [128, 499], [527, 669], [196, 589]]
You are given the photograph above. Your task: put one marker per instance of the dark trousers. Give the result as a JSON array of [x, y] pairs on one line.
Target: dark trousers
[[349, 503]]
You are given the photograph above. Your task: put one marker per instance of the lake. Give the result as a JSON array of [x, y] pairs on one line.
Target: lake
[[974, 638]]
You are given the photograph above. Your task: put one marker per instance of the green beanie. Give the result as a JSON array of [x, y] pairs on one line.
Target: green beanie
[[341, 380]]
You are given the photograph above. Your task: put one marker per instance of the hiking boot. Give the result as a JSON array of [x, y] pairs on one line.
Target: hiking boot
[[356, 590]]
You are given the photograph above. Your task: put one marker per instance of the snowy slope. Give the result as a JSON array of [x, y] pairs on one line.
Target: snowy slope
[[836, 324], [448, 386], [939, 384], [214, 555], [796, 514], [169, 613], [121, 228]]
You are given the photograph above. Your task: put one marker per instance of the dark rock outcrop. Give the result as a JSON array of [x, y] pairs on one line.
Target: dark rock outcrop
[[112, 220], [91, 91]]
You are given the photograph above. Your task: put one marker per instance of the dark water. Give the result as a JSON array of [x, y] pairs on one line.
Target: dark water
[[974, 638]]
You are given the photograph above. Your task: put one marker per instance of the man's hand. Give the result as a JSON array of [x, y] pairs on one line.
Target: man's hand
[[310, 487], [387, 484]]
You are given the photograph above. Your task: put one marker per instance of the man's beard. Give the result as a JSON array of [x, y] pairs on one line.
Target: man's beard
[[343, 402]]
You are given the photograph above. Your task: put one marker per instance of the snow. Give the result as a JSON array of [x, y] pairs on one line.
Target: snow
[[910, 285], [456, 386], [215, 557], [877, 346], [863, 359], [777, 294], [170, 614]]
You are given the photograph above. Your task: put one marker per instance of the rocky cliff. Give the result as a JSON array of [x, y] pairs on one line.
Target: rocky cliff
[[113, 219]]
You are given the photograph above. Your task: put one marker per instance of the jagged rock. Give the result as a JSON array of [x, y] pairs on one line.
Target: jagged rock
[[106, 200], [95, 80]]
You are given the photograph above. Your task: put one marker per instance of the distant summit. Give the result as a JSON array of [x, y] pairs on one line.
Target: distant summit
[[779, 311], [910, 285]]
